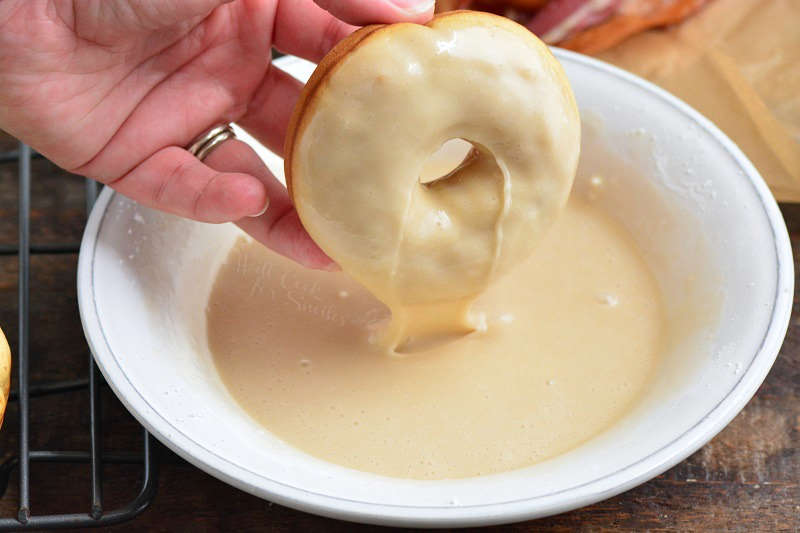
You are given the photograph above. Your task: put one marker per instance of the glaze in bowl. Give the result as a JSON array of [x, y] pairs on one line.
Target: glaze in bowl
[[707, 226]]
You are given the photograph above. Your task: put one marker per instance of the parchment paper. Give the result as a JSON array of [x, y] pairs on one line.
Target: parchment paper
[[738, 63]]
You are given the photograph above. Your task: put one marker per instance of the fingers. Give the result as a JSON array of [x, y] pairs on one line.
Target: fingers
[[205, 79], [175, 181], [282, 232], [233, 184], [268, 113], [278, 228], [304, 29], [363, 12], [310, 28]]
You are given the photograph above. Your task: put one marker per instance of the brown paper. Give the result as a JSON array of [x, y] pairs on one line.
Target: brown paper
[[738, 63]]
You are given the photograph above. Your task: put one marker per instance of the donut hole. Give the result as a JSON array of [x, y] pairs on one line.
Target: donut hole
[[448, 158]]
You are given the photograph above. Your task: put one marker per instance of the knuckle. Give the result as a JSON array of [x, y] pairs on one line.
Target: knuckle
[[331, 35], [198, 213], [176, 174]]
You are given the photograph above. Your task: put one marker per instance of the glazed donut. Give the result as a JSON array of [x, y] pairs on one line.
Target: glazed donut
[[385, 99]]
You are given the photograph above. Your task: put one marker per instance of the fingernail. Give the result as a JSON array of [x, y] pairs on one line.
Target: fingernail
[[332, 267], [264, 210], [413, 7]]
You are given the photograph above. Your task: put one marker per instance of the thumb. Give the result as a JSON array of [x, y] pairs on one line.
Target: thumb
[[362, 12], [279, 226]]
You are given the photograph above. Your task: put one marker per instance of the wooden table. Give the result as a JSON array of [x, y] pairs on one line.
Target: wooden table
[[747, 478]]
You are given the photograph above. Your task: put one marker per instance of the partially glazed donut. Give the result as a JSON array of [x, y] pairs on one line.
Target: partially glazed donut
[[379, 105]]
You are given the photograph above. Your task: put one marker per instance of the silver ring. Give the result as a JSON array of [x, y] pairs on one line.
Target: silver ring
[[205, 143]]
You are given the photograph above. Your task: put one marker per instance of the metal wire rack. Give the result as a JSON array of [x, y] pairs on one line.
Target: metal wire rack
[[95, 514]]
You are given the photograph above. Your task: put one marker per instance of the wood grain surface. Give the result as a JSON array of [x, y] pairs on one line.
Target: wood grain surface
[[746, 479]]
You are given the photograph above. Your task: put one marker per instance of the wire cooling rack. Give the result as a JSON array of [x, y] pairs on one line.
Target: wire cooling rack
[[94, 514]]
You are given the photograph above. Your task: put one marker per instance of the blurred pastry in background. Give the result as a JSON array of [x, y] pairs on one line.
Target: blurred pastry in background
[[451, 5], [738, 63], [587, 26]]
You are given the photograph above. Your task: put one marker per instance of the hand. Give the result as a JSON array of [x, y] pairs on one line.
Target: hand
[[114, 89]]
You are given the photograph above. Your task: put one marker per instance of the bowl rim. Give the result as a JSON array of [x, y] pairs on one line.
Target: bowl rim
[[479, 514]]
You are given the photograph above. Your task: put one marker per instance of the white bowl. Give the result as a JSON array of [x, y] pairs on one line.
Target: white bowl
[[710, 231]]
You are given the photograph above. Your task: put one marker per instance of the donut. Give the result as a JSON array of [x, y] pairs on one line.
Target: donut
[[5, 375], [376, 108]]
